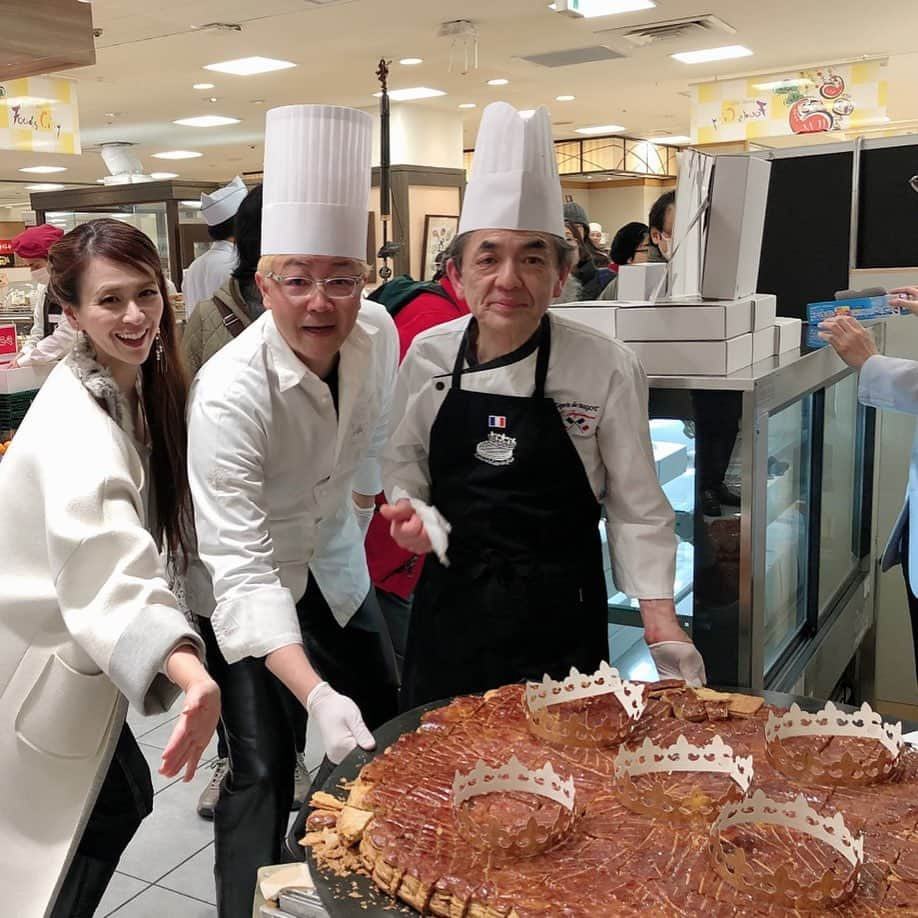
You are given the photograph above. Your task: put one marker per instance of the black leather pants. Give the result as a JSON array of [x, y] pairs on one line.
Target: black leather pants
[[261, 718], [125, 800]]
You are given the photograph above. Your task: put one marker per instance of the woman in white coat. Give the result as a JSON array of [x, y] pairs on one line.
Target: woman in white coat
[[92, 486], [889, 383]]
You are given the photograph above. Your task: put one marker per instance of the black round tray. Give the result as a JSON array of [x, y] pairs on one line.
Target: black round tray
[[339, 894], [358, 896]]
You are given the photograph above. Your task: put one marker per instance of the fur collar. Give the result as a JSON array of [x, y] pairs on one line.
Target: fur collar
[[99, 381]]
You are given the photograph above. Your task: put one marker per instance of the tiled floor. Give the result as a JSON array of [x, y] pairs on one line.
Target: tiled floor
[[168, 867]]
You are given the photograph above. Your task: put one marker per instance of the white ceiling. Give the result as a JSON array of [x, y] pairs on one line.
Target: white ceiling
[[148, 58]]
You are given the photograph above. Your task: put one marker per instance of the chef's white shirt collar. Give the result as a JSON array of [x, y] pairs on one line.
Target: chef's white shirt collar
[[291, 371]]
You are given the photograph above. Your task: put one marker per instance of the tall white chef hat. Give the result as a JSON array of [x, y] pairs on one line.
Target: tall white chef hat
[[316, 181], [514, 183], [222, 204]]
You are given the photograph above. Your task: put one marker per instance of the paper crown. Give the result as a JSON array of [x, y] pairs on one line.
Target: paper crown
[[595, 727], [514, 183], [777, 883], [222, 204], [316, 187], [653, 798], [526, 840], [808, 766]]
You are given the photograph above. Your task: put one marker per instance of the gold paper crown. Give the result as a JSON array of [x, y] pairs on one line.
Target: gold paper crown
[[513, 777], [779, 885], [862, 768], [607, 728], [654, 800]]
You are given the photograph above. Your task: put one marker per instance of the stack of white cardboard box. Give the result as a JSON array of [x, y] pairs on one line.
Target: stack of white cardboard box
[[726, 328]]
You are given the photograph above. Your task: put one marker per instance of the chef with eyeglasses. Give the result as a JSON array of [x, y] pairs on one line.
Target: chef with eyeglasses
[[512, 429], [282, 422]]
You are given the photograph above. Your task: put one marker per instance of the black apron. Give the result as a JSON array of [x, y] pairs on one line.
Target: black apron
[[525, 592], [52, 315]]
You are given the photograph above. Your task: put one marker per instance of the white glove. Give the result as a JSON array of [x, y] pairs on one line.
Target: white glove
[[364, 516], [679, 660], [339, 722]]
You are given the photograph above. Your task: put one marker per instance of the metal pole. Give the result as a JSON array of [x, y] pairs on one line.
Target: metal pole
[[855, 207], [385, 205]]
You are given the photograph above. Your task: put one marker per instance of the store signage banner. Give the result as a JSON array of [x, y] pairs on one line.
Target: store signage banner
[[9, 346], [39, 115], [843, 97]]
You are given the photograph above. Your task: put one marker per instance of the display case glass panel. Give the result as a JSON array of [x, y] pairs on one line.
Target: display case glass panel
[[839, 555], [787, 536]]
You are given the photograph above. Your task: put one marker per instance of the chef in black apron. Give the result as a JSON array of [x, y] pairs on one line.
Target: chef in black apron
[[499, 432]]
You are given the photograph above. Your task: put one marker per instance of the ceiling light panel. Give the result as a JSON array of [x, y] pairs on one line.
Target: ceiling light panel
[[708, 55], [177, 154], [591, 9], [206, 121], [44, 170], [248, 66], [601, 129]]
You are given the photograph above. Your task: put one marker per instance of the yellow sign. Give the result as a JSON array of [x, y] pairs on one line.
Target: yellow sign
[[840, 98], [40, 115]]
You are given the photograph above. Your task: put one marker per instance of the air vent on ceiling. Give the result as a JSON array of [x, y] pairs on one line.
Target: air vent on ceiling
[[573, 56], [691, 27]]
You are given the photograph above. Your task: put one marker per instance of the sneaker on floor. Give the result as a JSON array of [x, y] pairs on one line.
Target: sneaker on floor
[[301, 782], [207, 802]]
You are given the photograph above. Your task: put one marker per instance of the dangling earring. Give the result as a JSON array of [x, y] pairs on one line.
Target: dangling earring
[[160, 351]]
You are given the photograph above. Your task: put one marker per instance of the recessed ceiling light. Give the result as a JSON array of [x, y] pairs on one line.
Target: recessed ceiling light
[[411, 61], [163, 176], [601, 129], [212, 99], [498, 82], [45, 186], [44, 170], [195, 205], [468, 105], [565, 98], [206, 121], [177, 154], [671, 139], [707, 55], [247, 66], [203, 86], [589, 9], [417, 92]]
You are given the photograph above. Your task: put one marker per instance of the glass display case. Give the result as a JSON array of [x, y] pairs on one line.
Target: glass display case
[[165, 211], [771, 590]]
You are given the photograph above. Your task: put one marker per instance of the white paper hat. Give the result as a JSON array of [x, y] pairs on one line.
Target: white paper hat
[[316, 181], [222, 204], [514, 183]]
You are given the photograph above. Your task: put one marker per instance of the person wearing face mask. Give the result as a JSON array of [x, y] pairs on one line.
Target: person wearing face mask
[[513, 428], [629, 247], [50, 329], [662, 217]]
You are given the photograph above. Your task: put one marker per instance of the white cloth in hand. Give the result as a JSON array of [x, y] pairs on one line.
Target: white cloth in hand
[[339, 722], [364, 516], [679, 660], [436, 526]]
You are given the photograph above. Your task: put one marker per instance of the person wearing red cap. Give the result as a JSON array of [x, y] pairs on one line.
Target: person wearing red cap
[[51, 330]]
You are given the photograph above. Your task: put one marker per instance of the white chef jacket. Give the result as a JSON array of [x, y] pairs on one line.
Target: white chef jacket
[[52, 347], [208, 273], [600, 391], [272, 467]]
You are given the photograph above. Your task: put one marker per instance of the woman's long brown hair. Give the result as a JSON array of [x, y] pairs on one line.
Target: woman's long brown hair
[[164, 390]]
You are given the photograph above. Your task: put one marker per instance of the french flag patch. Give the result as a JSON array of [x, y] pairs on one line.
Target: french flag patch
[[497, 420]]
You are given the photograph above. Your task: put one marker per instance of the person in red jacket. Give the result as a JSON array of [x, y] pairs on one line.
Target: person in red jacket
[[414, 307]]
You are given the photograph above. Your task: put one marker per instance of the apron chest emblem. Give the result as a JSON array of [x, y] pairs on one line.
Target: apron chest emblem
[[496, 450]]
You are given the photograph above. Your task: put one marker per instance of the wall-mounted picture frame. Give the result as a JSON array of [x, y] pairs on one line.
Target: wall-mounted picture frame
[[439, 232]]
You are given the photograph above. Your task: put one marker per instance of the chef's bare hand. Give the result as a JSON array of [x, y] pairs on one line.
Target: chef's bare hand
[[406, 527], [194, 729], [908, 301], [339, 722], [851, 341], [12, 365]]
